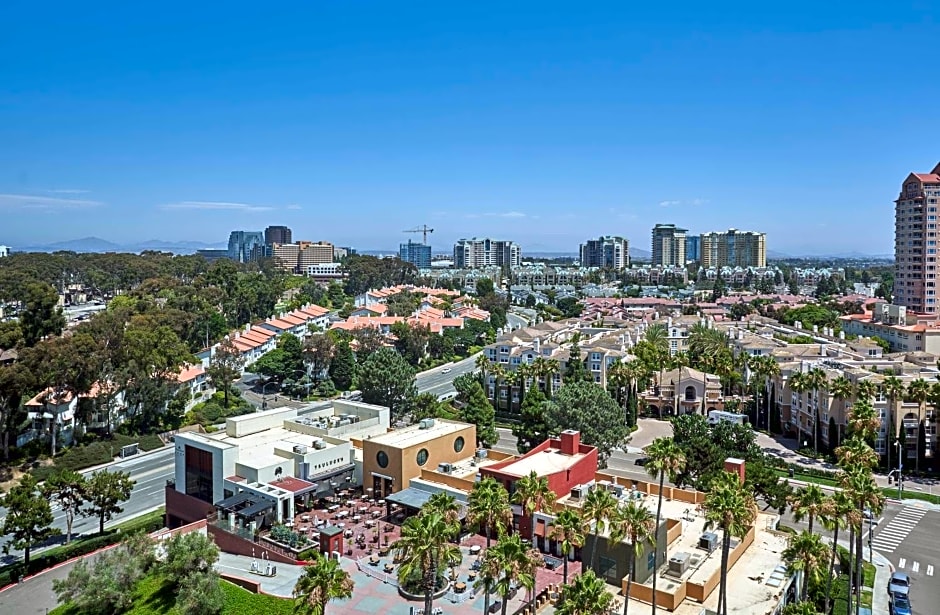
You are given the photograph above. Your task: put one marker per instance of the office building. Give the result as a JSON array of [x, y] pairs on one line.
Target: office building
[[668, 245], [277, 234], [314, 253], [241, 244], [606, 252], [693, 248], [915, 242], [733, 248], [418, 254], [477, 253]]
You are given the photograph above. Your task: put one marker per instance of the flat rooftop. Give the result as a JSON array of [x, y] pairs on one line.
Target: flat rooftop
[[257, 449], [414, 434], [549, 461]]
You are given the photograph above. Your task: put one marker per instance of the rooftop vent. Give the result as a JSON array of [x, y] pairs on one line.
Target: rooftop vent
[[426, 424]]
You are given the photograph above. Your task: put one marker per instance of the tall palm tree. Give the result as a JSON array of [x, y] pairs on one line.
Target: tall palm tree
[[807, 555], [918, 391], [488, 509], [854, 452], [840, 388], [498, 372], [482, 363], [587, 595], [534, 494], [817, 381], [836, 514], [730, 507], [864, 492], [893, 388], [866, 389], [664, 457], [507, 564], [600, 506], [634, 523], [799, 384], [807, 503], [446, 505], [322, 580], [863, 420], [424, 550], [767, 369], [568, 532]]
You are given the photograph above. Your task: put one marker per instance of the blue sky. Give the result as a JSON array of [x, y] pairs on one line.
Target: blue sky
[[542, 122]]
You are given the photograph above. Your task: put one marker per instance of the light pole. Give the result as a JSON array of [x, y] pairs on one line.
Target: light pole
[[897, 443], [264, 403]]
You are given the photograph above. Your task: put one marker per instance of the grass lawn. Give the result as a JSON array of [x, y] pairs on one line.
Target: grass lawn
[[807, 478], [891, 492], [154, 596]]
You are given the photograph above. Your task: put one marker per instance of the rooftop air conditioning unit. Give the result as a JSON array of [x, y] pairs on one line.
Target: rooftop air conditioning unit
[[426, 424], [300, 449], [679, 563], [617, 490], [319, 444], [577, 492], [708, 541], [481, 453], [445, 468]]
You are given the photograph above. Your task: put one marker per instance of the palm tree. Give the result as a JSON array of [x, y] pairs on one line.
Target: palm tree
[[488, 508], [807, 503], [322, 580], [508, 563], [664, 458], [863, 420], [498, 372], [840, 388], [807, 555], [446, 505], [836, 512], [865, 494], [731, 507], [587, 595], [424, 549], [482, 363], [893, 388], [799, 384], [533, 494], [816, 380], [600, 506], [568, 531], [634, 523], [854, 452], [918, 391]]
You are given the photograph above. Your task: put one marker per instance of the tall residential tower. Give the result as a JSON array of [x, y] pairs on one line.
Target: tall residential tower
[[668, 245], [606, 252], [733, 248], [915, 242], [477, 253]]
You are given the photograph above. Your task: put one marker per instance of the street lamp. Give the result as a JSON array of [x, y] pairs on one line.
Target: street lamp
[[897, 443], [264, 403]]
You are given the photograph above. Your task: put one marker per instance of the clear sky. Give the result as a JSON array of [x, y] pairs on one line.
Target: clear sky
[[541, 122]]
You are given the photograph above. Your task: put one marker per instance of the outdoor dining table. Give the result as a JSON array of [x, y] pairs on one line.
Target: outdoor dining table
[[305, 517], [475, 549], [460, 587], [357, 518], [376, 514], [363, 509]]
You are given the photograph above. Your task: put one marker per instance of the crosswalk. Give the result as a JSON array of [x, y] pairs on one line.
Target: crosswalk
[[894, 533], [915, 567]]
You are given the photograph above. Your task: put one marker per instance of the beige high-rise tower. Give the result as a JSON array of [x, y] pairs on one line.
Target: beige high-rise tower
[[733, 248], [915, 242], [668, 245]]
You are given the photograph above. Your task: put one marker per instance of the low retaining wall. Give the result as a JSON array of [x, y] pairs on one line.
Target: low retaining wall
[[252, 586]]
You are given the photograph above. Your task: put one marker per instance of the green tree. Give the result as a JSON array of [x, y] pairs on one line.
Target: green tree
[[479, 411], [807, 503], [108, 586], [568, 531], [488, 509], [41, 315], [200, 593], [507, 564], [343, 366], [731, 508], [532, 428], [225, 366], [387, 380], [587, 595], [105, 492], [15, 380], [66, 488], [599, 509], [188, 553], [534, 495], [423, 553], [321, 581], [665, 458], [28, 517], [586, 407], [633, 522], [807, 555]]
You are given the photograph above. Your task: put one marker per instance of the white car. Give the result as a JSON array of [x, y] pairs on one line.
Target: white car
[[446, 370]]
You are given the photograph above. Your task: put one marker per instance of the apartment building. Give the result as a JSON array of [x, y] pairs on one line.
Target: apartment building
[[477, 253], [903, 330], [693, 248], [606, 253], [915, 242], [668, 245], [733, 248]]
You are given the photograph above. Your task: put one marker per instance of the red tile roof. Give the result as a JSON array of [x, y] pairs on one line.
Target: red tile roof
[[289, 483]]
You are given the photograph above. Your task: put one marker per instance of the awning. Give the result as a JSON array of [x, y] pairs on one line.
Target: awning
[[237, 500], [540, 528], [322, 476], [415, 498], [255, 509]]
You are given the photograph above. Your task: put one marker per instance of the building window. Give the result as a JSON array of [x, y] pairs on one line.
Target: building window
[[381, 458], [458, 444], [422, 456]]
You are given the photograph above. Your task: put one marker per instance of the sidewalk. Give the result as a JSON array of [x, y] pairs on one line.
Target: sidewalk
[[281, 585]]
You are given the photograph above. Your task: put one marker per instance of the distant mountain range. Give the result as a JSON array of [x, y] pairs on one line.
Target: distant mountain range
[[96, 244]]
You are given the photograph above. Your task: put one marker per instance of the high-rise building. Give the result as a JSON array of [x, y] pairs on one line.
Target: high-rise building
[[693, 248], [286, 256], [915, 242], [668, 245], [478, 253], [314, 253], [277, 234], [733, 248], [418, 254], [241, 243], [606, 252]]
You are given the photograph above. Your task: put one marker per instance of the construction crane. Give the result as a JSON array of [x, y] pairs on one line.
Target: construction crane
[[424, 230]]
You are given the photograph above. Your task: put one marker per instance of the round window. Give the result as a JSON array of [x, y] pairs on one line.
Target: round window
[[381, 458], [422, 456], [458, 444]]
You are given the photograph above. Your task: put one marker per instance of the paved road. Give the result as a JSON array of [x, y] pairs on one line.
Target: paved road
[[438, 382]]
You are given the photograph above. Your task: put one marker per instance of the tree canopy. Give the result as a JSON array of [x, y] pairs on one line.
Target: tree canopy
[[387, 380], [586, 407]]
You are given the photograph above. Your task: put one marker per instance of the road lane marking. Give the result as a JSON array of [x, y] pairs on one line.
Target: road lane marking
[[915, 567], [902, 562]]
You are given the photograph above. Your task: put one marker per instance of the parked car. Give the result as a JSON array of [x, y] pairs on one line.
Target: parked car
[[641, 461], [899, 584], [901, 605]]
